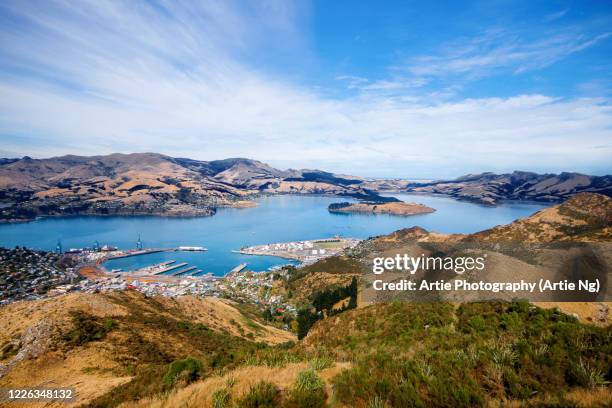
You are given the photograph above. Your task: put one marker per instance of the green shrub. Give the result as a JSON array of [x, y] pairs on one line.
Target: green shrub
[[221, 398], [86, 328], [308, 391], [377, 402], [261, 395], [188, 370], [477, 323], [321, 363]]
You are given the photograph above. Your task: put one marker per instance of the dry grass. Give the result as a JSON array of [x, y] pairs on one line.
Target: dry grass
[[94, 369], [222, 315], [200, 394], [597, 313], [583, 398]]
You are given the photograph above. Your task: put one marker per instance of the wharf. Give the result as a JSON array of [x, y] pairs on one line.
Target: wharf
[[171, 268], [238, 268], [184, 271]]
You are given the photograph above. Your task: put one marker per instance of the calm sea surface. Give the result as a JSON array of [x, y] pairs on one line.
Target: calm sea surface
[[275, 219]]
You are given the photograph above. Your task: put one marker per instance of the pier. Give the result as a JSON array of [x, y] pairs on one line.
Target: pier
[[171, 268], [238, 268], [199, 272], [184, 271], [138, 252]]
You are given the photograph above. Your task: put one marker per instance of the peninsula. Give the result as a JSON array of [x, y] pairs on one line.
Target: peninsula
[[393, 208]]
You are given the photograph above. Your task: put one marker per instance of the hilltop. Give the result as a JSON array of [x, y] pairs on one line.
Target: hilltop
[[150, 183], [491, 188]]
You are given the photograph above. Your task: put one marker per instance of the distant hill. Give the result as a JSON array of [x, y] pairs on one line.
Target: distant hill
[[156, 184], [150, 183], [585, 217], [490, 188]]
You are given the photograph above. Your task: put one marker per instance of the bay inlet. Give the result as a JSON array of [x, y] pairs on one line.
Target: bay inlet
[[278, 218]]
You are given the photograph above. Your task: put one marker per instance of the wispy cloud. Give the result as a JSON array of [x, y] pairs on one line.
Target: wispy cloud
[[181, 78], [556, 16], [500, 51]]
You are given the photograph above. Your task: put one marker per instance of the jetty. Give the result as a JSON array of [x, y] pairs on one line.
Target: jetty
[[184, 271], [137, 253], [238, 268], [171, 268], [199, 272], [146, 251]]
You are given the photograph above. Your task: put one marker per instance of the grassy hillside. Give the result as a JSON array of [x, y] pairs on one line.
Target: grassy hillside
[[433, 354], [421, 355], [123, 346]]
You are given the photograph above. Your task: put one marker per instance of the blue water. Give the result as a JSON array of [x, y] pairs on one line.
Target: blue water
[[275, 219]]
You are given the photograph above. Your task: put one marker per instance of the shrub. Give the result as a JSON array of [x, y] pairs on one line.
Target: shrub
[[377, 402], [261, 395], [86, 328], [221, 398], [321, 363], [308, 391], [188, 370], [477, 323]]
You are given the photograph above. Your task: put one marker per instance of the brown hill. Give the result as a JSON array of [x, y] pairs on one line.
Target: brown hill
[[584, 217], [96, 342], [490, 188], [150, 183]]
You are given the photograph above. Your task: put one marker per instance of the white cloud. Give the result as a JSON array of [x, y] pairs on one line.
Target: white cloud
[[94, 77], [555, 16], [498, 50]]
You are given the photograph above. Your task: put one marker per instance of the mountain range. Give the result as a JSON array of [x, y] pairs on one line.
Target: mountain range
[[491, 188], [151, 183]]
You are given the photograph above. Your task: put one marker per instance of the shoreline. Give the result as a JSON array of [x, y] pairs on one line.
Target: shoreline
[[254, 204]]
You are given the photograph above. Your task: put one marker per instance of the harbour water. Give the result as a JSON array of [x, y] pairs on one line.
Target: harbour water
[[275, 219]]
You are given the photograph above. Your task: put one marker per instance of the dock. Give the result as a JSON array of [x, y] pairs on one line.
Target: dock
[[199, 272], [238, 268], [171, 268], [147, 251], [137, 253], [184, 271]]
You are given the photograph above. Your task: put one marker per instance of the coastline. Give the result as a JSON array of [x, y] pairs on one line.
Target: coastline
[[401, 209]]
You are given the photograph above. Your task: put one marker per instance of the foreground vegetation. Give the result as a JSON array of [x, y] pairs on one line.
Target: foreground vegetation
[[386, 355], [432, 354]]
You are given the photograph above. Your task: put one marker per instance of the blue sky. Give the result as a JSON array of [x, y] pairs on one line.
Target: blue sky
[[393, 89]]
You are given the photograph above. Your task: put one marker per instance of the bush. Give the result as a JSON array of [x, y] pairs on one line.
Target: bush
[[308, 391], [188, 370], [261, 395], [86, 328], [321, 363], [221, 398]]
